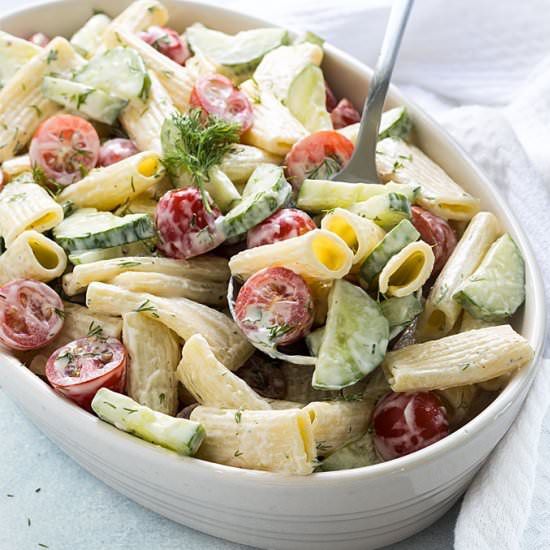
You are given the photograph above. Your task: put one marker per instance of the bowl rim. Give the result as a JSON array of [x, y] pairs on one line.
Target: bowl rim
[[518, 385]]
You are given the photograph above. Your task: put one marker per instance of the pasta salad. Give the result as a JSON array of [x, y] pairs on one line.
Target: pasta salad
[[175, 258]]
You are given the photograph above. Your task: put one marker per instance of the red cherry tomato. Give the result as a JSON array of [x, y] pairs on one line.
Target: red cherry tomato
[[39, 39], [80, 368], [1, 179], [168, 42], [31, 314], [184, 226], [330, 98], [344, 114], [65, 147], [283, 224], [274, 307], [115, 150], [216, 95], [437, 233], [407, 422], [317, 156]]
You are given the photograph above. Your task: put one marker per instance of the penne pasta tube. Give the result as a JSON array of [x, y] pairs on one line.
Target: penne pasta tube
[[407, 271], [211, 383], [318, 254], [242, 160], [87, 40], [22, 104], [458, 402], [32, 256], [109, 187], [403, 163], [359, 233], [337, 423], [170, 286], [16, 166], [15, 52], [204, 268], [26, 206], [275, 441], [274, 129], [458, 360], [183, 316], [154, 353], [441, 311], [143, 119], [79, 322]]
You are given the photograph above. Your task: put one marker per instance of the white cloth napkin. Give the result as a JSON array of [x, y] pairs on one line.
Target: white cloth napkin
[[482, 68]]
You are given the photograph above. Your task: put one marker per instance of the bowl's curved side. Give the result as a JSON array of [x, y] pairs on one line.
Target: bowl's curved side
[[363, 508]]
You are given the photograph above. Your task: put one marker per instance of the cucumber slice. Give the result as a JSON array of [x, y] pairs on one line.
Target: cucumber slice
[[137, 248], [356, 454], [321, 195], [119, 71], [177, 434], [306, 99], [14, 53], [237, 56], [309, 37], [395, 123], [355, 340], [92, 102], [384, 210], [68, 208], [87, 229], [266, 191], [88, 38], [401, 312], [314, 339], [398, 238], [496, 289]]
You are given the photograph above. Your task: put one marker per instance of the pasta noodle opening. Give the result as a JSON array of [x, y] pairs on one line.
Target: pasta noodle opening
[[46, 256], [328, 253], [344, 230], [409, 271], [306, 433], [437, 320], [45, 220], [148, 167]]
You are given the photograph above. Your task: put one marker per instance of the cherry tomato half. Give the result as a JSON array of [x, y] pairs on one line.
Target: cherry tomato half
[[184, 226], [283, 224], [65, 147], [344, 114], [274, 307], [317, 156], [407, 422], [31, 314], [216, 95], [80, 368], [39, 39], [168, 42], [330, 98], [437, 233], [115, 150]]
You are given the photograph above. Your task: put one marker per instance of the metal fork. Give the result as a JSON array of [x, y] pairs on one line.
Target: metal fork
[[362, 165]]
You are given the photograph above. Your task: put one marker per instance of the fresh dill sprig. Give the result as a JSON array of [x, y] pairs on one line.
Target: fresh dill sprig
[[195, 144]]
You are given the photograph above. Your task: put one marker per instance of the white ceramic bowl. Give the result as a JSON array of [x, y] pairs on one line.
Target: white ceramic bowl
[[354, 509]]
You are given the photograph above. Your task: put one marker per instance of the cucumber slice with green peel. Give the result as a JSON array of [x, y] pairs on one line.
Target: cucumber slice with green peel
[[384, 210], [401, 312], [395, 240], [266, 191], [88, 229], [177, 434], [137, 248], [496, 289], [306, 99], [236, 56], [356, 454], [119, 71], [69, 208], [314, 339], [321, 195], [92, 102], [355, 340], [395, 123]]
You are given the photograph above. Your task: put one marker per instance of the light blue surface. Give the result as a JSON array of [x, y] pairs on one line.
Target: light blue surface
[[75, 511]]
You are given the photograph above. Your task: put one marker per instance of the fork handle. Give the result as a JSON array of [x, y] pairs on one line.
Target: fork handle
[[374, 104]]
